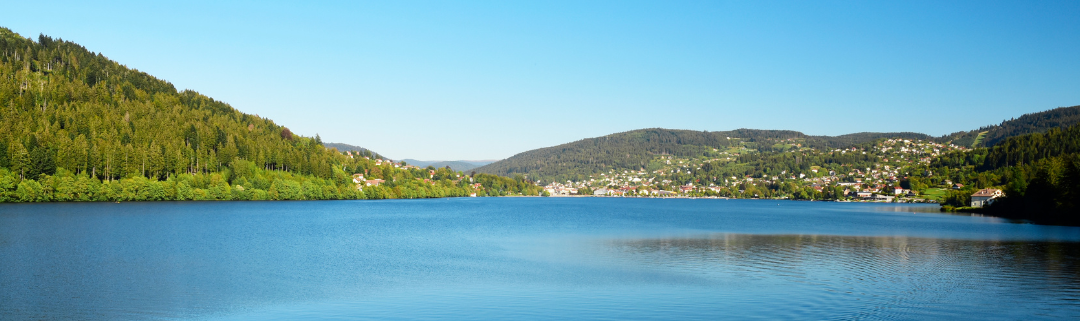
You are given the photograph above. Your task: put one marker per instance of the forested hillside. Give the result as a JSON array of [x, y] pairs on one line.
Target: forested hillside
[[1033, 123], [633, 150], [78, 126], [1026, 124], [64, 106]]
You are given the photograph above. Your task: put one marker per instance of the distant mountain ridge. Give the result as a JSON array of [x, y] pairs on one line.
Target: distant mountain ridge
[[346, 147], [459, 165], [632, 150]]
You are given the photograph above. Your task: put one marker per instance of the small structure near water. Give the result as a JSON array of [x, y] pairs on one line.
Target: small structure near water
[[985, 196]]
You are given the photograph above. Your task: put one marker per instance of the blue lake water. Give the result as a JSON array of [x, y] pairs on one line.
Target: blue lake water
[[529, 258]]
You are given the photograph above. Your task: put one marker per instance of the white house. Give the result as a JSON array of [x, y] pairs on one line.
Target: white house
[[985, 196]]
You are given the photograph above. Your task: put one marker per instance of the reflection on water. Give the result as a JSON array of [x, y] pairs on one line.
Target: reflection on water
[[908, 208], [860, 276], [528, 258]]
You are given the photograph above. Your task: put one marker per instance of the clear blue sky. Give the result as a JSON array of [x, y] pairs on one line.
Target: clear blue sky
[[486, 80]]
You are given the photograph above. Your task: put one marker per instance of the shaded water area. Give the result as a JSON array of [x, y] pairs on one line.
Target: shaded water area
[[529, 258]]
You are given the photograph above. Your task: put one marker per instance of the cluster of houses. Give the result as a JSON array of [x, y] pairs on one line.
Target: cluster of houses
[[360, 182], [638, 191], [556, 189]]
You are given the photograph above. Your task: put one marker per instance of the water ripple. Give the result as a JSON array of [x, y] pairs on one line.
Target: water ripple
[[881, 278]]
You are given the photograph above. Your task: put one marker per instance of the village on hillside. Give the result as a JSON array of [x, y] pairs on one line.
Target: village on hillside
[[887, 179]]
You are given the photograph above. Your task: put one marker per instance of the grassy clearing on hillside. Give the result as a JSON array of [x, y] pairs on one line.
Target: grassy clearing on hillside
[[934, 193], [978, 139]]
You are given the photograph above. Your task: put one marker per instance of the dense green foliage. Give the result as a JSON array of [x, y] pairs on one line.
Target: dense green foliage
[[494, 185], [764, 164], [1047, 190], [78, 126], [1028, 149], [245, 181]]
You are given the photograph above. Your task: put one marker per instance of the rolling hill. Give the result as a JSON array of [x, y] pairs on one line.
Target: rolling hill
[[633, 150]]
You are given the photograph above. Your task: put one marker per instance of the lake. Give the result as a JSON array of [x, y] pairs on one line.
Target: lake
[[529, 258]]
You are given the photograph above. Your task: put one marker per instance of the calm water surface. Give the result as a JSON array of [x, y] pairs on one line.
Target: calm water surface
[[529, 258]]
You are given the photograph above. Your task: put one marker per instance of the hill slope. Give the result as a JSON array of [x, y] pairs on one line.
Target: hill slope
[[633, 150], [83, 112], [78, 126]]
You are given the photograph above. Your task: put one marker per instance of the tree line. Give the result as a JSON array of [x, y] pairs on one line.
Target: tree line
[[1025, 124]]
